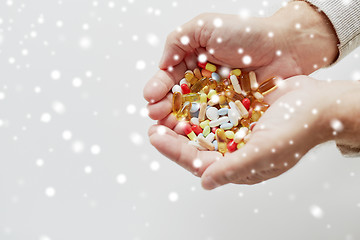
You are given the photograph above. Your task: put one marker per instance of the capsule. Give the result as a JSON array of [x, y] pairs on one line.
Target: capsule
[[202, 112], [184, 113], [189, 132], [197, 73], [268, 86], [235, 83], [177, 102], [260, 106], [206, 73], [245, 122], [191, 97], [243, 112], [255, 115], [203, 98], [258, 96], [253, 82], [206, 143], [222, 100], [199, 84], [245, 83], [232, 95], [236, 72], [208, 66], [221, 140], [189, 75], [232, 146], [212, 84]]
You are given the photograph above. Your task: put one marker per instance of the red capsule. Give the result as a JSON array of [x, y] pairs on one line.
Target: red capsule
[[197, 129], [202, 64], [232, 146], [213, 130], [187, 128], [246, 103], [185, 88]]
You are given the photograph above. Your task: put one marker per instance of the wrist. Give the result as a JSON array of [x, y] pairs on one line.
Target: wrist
[[307, 35]]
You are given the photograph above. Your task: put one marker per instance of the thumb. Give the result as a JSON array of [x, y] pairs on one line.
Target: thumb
[[185, 40]]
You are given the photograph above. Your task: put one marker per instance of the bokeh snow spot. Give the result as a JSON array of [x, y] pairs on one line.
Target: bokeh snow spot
[[50, 192], [121, 178], [316, 211], [173, 196]]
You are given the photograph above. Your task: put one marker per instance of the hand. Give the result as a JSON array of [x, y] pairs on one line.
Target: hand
[[304, 112]]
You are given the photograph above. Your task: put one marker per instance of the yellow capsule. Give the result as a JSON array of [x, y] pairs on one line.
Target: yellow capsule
[[189, 75], [245, 82], [212, 84], [210, 67], [203, 98], [211, 93], [240, 145], [191, 97], [197, 73], [255, 115], [236, 72], [221, 140], [205, 123], [222, 101], [177, 102], [268, 86], [206, 130], [184, 113], [199, 84], [206, 89], [245, 122], [229, 134]]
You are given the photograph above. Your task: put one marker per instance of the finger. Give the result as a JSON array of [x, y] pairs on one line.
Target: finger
[[161, 109], [171, 122], [160, 84], [184, 41], [176, 148]]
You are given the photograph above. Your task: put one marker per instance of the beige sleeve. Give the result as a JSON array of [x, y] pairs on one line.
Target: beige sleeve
[[345, 18]]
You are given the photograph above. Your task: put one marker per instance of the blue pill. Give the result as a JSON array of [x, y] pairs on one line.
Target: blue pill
[[215, 143], [226, 126], [215, 76], [223, 111], [194, 107]]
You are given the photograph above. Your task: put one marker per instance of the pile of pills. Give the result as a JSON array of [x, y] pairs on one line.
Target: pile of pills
[[219, 112]]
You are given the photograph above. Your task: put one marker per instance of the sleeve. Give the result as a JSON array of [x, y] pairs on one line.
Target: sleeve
[[345, 18]]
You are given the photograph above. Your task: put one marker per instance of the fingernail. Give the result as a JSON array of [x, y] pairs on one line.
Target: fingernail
[[209, 183]]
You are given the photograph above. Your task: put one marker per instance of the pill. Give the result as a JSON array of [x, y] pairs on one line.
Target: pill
[[222, 101], [213, 129], [185, 88], [208, 66], [232, 146], [196, 129], [189, 132], [215, 76], [258, 96], [253, 82], [233, 106], [184, 113], [226, 126], [240, 145], [197, 73], [246, 103], [194, 107], [203, 98], [194, 114], [202, 112], [205, 73], [245, 122], [211, 94], [243, 112], [205, 143], [199, 84], [212, 113], [233, 117], [184, 81], [236, 72], [205, 123], [191, 97], [218, 122], [206, 130], [177, 102], [176, 88], [245, 82], [197, 145], [194, 121], [255, 115], [240, 135], [268, 85], [210, 137], [215, 143], [223, 111], [189, 75], [260, 106], [221, 140], [235, 83], [232, 95], [205, 90], [229, 134]]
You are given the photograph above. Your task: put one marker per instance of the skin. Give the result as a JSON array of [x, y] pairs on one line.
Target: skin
[[303, 50]]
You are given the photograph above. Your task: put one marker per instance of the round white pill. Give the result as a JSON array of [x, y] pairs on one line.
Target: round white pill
[[212, 113], [176, 88]]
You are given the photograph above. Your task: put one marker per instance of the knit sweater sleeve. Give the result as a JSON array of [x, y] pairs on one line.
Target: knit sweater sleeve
[[345, 18]]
